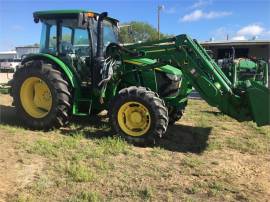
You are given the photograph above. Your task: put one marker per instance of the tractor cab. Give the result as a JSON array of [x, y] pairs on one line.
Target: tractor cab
[[73, 36]]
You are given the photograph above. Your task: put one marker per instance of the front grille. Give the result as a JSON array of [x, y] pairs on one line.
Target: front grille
[[167, 87], [246, 74]]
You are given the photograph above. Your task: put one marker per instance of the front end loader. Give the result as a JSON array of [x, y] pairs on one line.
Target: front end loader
[[82, 69]]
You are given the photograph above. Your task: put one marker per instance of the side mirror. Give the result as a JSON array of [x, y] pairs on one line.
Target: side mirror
[[36, 20]]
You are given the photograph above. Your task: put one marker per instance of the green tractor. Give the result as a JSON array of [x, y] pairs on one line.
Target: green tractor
[[82, 69], [239, 70]]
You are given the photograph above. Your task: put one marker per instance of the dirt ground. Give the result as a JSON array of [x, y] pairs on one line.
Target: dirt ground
[[17, 168], [16, 171], [199, 161]]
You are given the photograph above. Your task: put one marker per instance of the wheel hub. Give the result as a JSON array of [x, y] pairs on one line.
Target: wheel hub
[[134, 118], [36, 97]]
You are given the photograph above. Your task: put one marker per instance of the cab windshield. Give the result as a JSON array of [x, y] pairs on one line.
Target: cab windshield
[[74, 44], [74, 39], [71, 38], [110, 33]]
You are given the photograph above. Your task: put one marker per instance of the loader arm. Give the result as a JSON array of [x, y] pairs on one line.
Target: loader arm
[[208, 79]]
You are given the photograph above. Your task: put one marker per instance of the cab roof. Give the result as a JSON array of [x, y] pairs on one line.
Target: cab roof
[[53, 14]]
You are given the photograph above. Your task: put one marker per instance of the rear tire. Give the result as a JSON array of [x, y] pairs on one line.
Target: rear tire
[[58, 94], [138, 115]]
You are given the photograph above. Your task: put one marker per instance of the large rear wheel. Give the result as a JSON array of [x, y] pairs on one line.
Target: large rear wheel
[[41, 96], [138, 115]]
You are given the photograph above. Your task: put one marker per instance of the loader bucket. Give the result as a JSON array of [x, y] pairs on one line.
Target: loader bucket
[[259, 99]]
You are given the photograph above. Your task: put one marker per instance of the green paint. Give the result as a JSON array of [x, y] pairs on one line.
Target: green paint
[[61, 13], [145, 62], [47, 57], [170, 70], [206, 77], [43, 13], [69, 73], [162, 63], [259, 98], [246, 64], [142, 61]]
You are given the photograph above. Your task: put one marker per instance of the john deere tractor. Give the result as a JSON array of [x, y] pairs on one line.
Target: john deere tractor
[[239, 70], [82, 69]]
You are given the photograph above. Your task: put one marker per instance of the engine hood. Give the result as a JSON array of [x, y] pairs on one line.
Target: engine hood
[[149, 63]]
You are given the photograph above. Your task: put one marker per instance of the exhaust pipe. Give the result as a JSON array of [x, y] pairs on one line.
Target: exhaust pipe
[[100, 34], [99, 61]]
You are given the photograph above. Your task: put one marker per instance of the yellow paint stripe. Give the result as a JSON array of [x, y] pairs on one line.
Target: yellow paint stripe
[[158, 69], [132, 62], [161, 50]]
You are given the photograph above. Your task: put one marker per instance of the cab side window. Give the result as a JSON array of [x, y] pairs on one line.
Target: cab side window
[[81, 43], [65, 41], [52, 39]]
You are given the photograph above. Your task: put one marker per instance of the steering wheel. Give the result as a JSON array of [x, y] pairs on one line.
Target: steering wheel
[[66, 47]]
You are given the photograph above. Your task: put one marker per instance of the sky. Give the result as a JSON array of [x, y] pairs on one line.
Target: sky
[[201, 19]]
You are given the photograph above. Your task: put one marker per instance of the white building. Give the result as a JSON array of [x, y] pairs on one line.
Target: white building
[[8, 55], [24, 50], [253, 48], [19, 52]]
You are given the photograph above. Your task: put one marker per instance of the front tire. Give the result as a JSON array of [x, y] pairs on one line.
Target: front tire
[[41, 96], [176, 113], [138, 115]]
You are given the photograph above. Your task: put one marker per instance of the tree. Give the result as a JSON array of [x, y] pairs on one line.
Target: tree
[[139, 32]]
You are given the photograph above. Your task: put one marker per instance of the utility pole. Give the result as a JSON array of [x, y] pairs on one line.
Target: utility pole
[[160, 8]]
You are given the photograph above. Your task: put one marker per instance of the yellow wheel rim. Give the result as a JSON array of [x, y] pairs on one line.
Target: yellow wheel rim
[[36, 97], [134, 119]]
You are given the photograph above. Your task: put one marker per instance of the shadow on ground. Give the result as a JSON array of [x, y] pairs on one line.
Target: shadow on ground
[[184, 138], [91, 127], [179, 138]]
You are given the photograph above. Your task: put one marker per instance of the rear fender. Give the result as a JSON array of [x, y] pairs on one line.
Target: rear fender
[[68, 72]]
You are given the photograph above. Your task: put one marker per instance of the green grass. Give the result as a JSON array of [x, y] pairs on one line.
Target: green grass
[[192, 162], [86, 196], [146, 193], [206, 156], [12, 129], [42, 184], [252, 145], [79, 172], [112, 146]]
